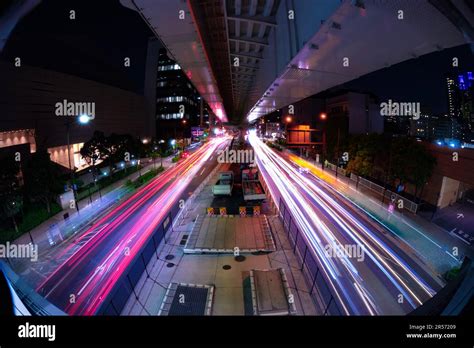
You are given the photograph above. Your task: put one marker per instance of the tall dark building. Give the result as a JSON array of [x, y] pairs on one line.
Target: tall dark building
[[461, 102], [177, 101]]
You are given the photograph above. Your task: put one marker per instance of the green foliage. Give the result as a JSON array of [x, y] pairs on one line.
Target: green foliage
[[34, 216], [452, 273], [110, 149], [396, 160], [146, 177], [42, 179]]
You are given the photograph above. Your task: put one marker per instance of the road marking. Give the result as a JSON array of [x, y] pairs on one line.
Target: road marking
[[202, 171]]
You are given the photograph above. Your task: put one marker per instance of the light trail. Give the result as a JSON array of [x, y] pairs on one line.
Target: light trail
[[369, 287], [93, 270]]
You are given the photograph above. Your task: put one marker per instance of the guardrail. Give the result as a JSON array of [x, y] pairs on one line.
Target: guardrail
[[319, 291], [385, 194], [125, 286]]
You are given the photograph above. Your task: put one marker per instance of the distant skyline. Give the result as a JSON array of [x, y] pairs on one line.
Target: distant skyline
[[421, 79]]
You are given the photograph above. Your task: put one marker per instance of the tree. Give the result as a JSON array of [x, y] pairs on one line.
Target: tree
[[11, 199], [42, 179], [368, 155], [11, 205], [95, 149], [420, 168], [411, 163], [154, 155]]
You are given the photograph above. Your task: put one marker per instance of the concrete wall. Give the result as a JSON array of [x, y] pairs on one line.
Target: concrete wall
[[448, 192], [456, 176]]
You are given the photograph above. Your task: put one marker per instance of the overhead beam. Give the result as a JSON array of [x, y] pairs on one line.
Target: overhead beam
[[255, 20], [253, 7], [268, 7], [244, 66], [248, 40], [242, 74], [246, 54], [238, 7]]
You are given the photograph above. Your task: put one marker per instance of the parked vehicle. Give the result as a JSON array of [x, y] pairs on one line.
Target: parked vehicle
[[251, 186], [224, 185]]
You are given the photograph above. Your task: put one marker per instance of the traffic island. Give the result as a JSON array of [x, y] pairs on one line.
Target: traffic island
[[271, 293], [230, 234]]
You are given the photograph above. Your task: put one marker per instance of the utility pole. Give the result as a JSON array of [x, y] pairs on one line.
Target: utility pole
[[201, 124], [71, 171], [337, 148]]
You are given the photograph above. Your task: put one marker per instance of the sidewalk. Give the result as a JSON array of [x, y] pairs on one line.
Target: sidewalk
[[431, 244]]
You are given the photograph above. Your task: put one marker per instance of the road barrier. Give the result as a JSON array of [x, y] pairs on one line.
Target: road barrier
[[125, 286], [319, 291], [385, 195]]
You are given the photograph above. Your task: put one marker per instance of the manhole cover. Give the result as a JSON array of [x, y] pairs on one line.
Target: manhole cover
[[226, 267], [169, 257], [170, 264], [239, 258]]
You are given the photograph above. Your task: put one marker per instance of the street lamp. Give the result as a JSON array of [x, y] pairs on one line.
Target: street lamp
[[288, 120], [323, 117], [83, 120]]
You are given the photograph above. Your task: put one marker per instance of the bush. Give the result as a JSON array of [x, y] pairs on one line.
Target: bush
[[452, 273], [34, 215]]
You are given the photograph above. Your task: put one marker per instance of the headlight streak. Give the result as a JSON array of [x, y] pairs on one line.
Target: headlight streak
[[144, 228], [132, 223], [284, 175]]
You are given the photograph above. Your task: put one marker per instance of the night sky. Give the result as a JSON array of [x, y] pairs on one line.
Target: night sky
[[418, 80], [94, 45]]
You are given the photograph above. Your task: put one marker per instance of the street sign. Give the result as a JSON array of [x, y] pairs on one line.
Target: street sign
[[223, 211], [210, 211], [243, 211], [197, 131]]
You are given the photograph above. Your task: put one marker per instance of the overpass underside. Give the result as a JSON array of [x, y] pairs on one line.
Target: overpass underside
[[251, 57]]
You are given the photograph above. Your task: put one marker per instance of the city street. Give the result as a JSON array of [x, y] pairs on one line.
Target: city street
[[91, 272], [373, 285]]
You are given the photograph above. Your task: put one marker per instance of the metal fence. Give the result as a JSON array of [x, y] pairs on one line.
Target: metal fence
[[386, 195], [319, 290], [125, 286], [333, 167]]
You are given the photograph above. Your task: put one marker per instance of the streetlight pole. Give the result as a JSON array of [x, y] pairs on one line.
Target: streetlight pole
[[288, 120], [71, 172], [323, 118], [337, 149]]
